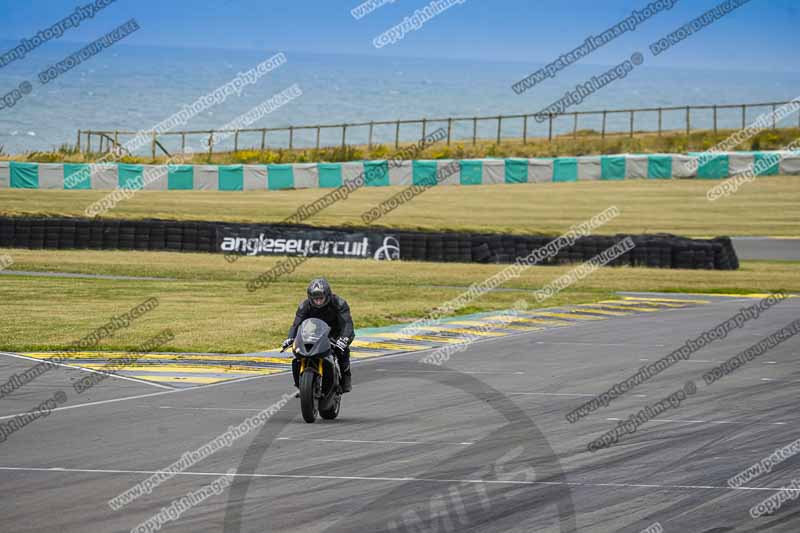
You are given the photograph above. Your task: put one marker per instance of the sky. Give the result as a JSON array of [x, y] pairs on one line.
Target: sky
[[758, 36]]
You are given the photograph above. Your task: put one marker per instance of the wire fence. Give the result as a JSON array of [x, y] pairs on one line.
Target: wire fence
[[498, 128]]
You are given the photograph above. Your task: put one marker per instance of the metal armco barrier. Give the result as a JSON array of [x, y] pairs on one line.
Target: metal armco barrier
[[655, 251]]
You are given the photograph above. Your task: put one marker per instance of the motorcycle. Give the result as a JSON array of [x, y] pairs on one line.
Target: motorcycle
[[316, 371]]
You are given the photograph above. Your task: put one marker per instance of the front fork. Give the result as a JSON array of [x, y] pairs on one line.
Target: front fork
[[300, 365]]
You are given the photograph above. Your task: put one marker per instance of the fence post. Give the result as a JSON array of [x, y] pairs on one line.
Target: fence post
[[575, 126], [659, 122], [603, 131], [499, 127], [291, 137], [89, 142], [100, 148], [210, 143], [688, 126], [236, 142], [449, 129], [397, 135], [715, 119], [631, 133], [424, 128], [474, 130], [78, 144], [344, 135], [370, 136], [318, 128], [183, 143], [263, 138], [525, 130], [550, 128], [154, 144], [744, 114], [774, 123]]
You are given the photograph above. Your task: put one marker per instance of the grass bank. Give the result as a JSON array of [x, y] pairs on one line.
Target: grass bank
[[768, 206], [209, 309], [585, 142]]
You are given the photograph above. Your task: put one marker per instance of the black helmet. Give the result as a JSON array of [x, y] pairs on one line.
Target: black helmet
[[319, 292]]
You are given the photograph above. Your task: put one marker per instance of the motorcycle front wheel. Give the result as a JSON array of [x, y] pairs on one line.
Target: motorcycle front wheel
[[308, 406]]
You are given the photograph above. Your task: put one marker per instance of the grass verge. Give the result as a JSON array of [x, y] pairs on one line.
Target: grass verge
[[209, 309], [768, 206]]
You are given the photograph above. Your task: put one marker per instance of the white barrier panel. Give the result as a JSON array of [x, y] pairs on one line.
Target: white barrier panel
[[540, 170], [5, 174], [206, 178], [254, 177]]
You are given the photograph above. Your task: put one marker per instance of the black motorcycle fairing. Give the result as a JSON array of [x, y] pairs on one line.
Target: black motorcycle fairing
[[312, 338]]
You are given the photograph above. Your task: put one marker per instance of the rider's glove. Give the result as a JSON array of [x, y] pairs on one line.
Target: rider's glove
[[342, 343], [288, 342]]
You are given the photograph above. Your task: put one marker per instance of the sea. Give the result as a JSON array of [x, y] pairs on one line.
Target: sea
[[135, 87]]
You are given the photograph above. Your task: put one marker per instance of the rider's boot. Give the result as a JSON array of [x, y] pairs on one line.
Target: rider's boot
[[344, 366], [346, 381]]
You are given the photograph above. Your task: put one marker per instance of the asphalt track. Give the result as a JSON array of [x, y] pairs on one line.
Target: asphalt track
[[749, 248], [480, 444]]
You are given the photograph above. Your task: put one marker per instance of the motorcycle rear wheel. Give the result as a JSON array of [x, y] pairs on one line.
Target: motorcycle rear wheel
[[308, 406]]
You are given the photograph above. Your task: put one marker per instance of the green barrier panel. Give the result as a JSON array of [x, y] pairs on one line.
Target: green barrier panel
[[280, 177], [77, 176], [516, 171], [565, 169], [423, 173], [713, 168], [471, 172], [130, 176], [376, 173], [231, 178], [24, 175], [180, 178], [330, 175], [659, 167], [612, 168], [769, 162]]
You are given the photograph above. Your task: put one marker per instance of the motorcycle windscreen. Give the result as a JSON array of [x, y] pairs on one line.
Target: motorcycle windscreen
[[313, 338]]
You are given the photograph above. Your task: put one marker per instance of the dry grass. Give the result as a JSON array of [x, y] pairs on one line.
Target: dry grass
[[209, 309], [586, 142], [769, 206]]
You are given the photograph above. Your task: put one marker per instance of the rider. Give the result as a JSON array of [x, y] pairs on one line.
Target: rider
[[334, 311]]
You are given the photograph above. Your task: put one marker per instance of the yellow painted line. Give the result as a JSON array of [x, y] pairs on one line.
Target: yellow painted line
[[155, 357], [498, 325], [387, 346], [632, 307], [600, 311], [674, 300], [567, 315], [626, 304], [174, 379], [542, 321], [183, 369], [463, 331], [363, 355]]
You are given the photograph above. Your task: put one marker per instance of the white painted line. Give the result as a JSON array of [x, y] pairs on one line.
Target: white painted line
[[400, 479], [712, 361], [444, 371], [101, 402], [111, 374], [704, 421], [207, 408], [604, 344], [551, 394], [570, 394], [375, 441]]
